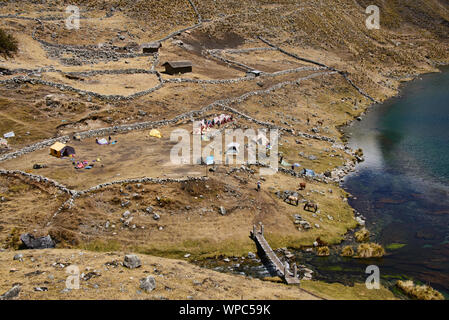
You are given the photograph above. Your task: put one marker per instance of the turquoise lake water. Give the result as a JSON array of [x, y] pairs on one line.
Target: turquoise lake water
[[403, 186]]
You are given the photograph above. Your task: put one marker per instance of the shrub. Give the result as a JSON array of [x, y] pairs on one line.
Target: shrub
[[13, 240], [8, 45], [323, 251], [370, 250], [419, 292], [347, 251], [362, 235]]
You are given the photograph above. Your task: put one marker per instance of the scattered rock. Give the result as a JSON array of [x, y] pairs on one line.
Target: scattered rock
[[126, 203], [222, 210], [305, 225], [149, 209], [90, 275], [132, 261], [148, 284], [360, 221], [19, 257]]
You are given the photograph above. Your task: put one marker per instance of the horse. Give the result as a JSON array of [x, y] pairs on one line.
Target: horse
[[320, 242], [309, 205], [291, 199], [302, 186]]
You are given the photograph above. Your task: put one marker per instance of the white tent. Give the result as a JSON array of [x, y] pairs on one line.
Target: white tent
[[233, 148], [102, 141], [9, 134]]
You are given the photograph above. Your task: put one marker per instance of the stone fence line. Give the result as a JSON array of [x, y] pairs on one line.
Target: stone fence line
[[65, 87], [222, 104], [343, 73]]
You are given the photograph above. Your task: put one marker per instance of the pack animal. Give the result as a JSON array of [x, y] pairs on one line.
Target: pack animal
[[291, 200], [309, 206]]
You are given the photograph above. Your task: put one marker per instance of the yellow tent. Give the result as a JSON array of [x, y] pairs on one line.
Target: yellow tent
[[155, 133], [59, 150], [56, 148]]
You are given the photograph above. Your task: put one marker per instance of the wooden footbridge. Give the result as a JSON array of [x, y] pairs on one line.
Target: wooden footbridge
[[289, 277]]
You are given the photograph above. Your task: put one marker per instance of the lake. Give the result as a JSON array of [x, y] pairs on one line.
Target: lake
[[402, 187]]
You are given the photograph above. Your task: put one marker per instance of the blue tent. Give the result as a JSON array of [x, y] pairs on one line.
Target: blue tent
[[308, 172], [210, 160]]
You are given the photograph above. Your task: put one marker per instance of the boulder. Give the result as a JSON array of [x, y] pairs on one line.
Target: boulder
[[148, 284], [37, 243], [305, 225], [11, 293], [132, 261], [18, 256], [360, 221]]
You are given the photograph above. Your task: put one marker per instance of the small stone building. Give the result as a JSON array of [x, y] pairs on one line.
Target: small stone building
[[174, 67], [254, 73], [151, 47]]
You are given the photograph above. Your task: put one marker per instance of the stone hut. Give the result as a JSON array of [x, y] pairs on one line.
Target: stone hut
[[151, 47], [174, 67]]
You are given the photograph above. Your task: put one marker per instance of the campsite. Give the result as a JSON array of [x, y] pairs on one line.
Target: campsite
[[136, 154]]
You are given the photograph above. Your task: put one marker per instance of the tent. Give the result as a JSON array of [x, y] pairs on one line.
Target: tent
[[233, 148], [9, 134], [102, 141], [155, 133], [59, 150], [210, 160], [308, 172]]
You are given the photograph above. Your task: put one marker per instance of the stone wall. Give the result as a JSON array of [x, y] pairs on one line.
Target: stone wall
[[38, 178], [33, 147], [344, 74], [65, 87]]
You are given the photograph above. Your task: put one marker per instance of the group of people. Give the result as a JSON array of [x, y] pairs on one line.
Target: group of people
[[219, 120]]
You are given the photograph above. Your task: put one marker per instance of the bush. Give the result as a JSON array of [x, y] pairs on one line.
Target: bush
[[323, 251], [370, 250], [347, 251], [13, 240], [8, 45], [362, 235], [419, 292]]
